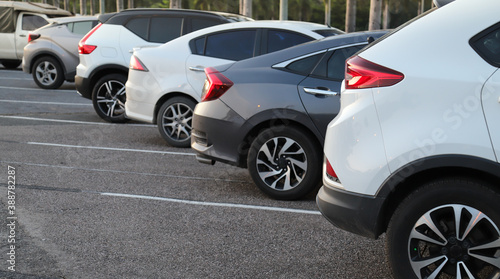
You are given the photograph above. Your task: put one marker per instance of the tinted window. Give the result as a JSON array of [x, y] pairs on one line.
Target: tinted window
[[164, 29], [32, 22], [487, 45], [81, 27], [139, 26], [200, 23], [233, 45], [279, 39], [305, 66], [199, 46], [336, 63]]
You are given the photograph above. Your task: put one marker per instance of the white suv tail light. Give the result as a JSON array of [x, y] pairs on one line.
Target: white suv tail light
[[83, 48], [361, 73]]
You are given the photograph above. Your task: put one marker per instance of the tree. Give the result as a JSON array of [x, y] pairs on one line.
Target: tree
[[350, 16], [375, 14], [175, 4]]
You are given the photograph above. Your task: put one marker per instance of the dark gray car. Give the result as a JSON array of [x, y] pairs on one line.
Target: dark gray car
[[51, 54], [269, 114]]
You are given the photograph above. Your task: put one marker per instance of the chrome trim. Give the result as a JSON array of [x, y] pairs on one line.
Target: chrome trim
[[284, 64]]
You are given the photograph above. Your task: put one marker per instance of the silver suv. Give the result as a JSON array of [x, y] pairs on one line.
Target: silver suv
[[51, 54]]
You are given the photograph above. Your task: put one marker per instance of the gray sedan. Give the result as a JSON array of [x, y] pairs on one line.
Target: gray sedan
[[269, 114]]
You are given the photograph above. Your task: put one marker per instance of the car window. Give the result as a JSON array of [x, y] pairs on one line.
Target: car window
[[487, 45], [200, 23], [336, 63], [333, 65], [139, 26], [32, 22], [305, 65], [164, 29], [280, 39], [232, 45], [81, 27], [199, 46]]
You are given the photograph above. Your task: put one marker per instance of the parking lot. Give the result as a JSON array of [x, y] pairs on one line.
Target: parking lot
[[99, 200]]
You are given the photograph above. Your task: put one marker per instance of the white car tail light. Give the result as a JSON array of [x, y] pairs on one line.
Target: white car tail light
[[215, 86], [83, 48], [361, 73]]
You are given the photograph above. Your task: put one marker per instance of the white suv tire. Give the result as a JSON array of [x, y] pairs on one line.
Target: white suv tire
[[451, 220], [108, 98]]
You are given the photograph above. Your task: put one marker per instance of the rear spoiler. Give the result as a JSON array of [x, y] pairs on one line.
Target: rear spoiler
[[440, 3]]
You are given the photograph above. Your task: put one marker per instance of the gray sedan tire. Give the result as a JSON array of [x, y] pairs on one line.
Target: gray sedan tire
[[448, 228], [48, 73], [174, 120], [284, 163]]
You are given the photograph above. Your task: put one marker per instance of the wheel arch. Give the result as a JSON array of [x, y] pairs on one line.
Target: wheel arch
[[99, 72], [414, 175], [44, 54], [167, 97]]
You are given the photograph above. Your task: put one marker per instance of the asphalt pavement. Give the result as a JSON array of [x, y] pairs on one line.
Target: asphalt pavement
[[83, 198]]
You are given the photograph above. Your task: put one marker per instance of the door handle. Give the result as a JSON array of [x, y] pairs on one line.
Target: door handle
[[323, 91], [22, 35], [197, 69]]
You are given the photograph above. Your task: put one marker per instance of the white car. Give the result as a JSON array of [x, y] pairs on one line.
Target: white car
[[414, 151], [165, 82], [105, 51]]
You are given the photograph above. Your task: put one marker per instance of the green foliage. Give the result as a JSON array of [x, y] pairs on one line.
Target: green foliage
[[400, 11]]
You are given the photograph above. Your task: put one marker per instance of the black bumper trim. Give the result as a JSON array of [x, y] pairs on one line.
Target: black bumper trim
[[351, 212]]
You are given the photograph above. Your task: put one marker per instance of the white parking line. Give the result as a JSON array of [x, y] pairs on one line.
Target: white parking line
[[71, 121], [127, 172], [15, 78], [45, 103], [36, 89], [111, 148], [230, 205]]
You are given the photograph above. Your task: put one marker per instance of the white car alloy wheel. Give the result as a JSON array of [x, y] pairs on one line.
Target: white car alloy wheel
[[284, 163], [174, 121], [446, 229]]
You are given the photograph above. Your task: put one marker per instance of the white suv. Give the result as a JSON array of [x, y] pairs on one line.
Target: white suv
[[414, 151], [105, 51]]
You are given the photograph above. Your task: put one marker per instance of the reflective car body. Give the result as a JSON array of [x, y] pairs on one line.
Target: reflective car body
[[51, 54], [176, 69], [288, 96]]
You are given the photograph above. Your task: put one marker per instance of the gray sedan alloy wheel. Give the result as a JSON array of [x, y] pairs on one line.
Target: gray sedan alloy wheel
[[284, 163]]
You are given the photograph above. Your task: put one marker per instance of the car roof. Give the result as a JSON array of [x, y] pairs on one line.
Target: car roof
[[118, 18], [62, 20], [34, 7], [297, 26], [308, 48]]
